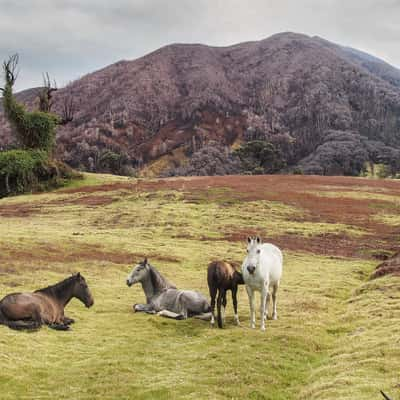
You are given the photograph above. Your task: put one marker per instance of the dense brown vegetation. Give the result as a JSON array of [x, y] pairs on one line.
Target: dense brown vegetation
[[318, 103]]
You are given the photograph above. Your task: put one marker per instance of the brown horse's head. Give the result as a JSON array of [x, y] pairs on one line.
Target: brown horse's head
[[81, 291]]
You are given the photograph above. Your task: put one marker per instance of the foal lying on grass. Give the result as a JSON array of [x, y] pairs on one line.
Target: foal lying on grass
[[221, 277], [163, 298], [44, 306]]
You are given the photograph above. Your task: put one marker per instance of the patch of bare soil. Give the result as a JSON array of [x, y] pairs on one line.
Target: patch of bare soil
[[27, 209], [52, 254], [19, 210], [292, 190], [295, 190], [390, 266], [92, 201]]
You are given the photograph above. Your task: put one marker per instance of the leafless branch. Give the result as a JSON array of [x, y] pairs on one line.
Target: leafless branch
[[10, 70], [68, 110], [46, 94]]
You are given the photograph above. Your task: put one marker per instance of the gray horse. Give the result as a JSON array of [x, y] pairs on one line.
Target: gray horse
[[163, 298]]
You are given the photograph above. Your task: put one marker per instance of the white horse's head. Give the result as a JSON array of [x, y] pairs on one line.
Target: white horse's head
[[139, 273], [253, 254]]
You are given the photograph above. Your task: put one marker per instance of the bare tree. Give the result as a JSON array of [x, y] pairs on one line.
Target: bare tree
[[10, 71], [46, 94], [68, 110]]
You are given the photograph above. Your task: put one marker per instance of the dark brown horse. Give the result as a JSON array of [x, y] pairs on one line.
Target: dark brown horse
[[44, 306], [221, 277]]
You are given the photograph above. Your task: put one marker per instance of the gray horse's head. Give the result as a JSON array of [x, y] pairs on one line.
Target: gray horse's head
[[139, 273], [253, 254]]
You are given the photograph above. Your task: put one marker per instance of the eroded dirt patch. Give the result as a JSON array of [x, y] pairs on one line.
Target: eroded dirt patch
[[98, 200], [390, 266], [74, 253], [300, 192], [19, 210]]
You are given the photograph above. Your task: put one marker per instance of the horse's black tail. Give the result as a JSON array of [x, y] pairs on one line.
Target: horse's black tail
[[19, 325]]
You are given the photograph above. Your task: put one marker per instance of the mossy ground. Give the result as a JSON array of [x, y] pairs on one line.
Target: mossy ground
[[337, 336]]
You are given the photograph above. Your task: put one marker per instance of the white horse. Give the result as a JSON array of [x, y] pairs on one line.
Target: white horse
[[262, 271]]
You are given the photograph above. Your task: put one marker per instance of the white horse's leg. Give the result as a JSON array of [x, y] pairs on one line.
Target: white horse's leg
[[147, 308], [267, 304], [212, 320], [274, 294], [223, 314], [204, 316], [264, 296], [250, 293], [170, 314]]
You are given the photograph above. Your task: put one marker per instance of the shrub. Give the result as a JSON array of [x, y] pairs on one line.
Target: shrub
[[34, 130], [210, 160], [24, 170], [260, 157]]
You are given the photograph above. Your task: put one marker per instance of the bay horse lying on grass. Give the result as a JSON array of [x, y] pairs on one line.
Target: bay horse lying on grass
[[221, 277], [163, 298], [44, 306]]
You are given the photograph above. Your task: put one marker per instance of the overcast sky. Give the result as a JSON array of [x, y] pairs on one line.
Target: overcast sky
[[69, 38]]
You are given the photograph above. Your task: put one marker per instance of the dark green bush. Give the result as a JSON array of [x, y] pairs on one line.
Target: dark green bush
[[34, 130], [25, 170], [260, 157]]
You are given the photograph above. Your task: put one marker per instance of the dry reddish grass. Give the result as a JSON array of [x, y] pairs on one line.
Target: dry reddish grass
[[27, 209], [297, 191], [80, 252]]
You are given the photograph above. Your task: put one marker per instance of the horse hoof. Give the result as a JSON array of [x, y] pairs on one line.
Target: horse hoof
[[274, 317], [263, 328]]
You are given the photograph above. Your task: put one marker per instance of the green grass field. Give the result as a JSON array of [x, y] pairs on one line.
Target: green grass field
[[338, 333]]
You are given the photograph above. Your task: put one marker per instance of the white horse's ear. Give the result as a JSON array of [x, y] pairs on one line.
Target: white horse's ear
[[258, 240], [248, 239]]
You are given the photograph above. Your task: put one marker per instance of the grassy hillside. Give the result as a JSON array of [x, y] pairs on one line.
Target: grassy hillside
[[337, 335]]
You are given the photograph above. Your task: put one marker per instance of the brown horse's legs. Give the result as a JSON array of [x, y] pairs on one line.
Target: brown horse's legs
[[213, 295], [68, 321], [37, 320], [28, 324], [234, 300], [59, 327], [221, 297]]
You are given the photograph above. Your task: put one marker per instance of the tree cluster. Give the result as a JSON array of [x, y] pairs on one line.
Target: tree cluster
[[32, 165]]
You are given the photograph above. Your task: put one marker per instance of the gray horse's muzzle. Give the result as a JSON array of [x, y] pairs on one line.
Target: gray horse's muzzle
[[251, 269]]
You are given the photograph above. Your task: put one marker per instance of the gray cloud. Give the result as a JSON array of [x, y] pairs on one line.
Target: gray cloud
[[69, 38]]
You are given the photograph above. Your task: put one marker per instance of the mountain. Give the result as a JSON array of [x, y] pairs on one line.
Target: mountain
[[309, 97]]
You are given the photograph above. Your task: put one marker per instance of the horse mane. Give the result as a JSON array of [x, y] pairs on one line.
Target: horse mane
[[158, 281], [60, 287]]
